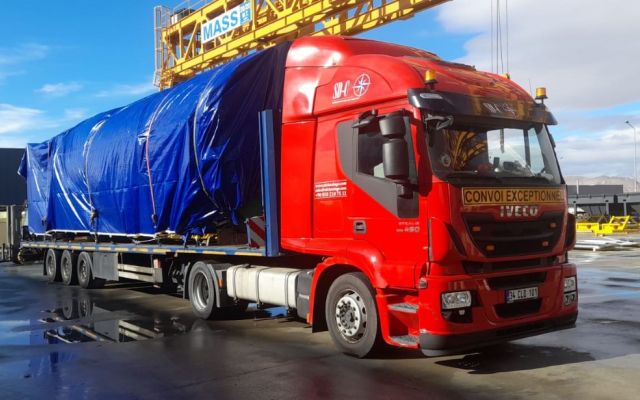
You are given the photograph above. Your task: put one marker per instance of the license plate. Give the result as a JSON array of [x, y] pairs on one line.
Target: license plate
[[514, 295]]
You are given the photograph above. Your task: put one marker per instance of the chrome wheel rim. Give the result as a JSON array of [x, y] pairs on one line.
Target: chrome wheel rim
[[200, 291], [83, 272], [351, 316], [66, 269], [50, 264]]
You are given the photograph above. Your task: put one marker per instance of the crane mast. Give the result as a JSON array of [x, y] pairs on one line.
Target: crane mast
[[201, 34]]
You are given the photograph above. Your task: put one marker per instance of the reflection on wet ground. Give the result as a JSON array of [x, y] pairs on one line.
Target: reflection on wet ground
[[44, 325], [80, 319], [509, 357], [130, 340]]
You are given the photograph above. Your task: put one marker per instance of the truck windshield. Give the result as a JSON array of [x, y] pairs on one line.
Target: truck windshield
[[495, 153]]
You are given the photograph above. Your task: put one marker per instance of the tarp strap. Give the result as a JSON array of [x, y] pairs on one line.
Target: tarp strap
[[154, 215], [94, 212], [195, 153]]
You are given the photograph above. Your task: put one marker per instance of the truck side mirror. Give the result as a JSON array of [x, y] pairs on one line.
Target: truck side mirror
[[395, 159], [395, 151], [392, 125]]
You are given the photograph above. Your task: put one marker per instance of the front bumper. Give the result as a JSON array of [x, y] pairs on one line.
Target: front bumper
[[439, 345]]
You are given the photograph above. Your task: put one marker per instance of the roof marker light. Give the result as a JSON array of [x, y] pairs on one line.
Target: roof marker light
[[541, 93], [430, 78]]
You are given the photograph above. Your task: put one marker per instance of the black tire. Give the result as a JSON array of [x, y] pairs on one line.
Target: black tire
[[18, 258], [68, 268], [202, 291], [85, 305], [69, 307], [354, 329], [85, 272], [52, 265]]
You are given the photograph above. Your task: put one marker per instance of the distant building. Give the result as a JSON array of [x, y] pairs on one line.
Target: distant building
[[13, 192], [595, 190], [13, 189], [607, 200]]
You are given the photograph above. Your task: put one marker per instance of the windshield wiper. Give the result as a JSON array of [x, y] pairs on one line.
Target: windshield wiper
[[536, 177], [472, 175]]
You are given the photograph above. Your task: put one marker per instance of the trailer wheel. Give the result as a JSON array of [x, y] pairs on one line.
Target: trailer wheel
[[85, 305], [68, 268], [69, 308], [85, 273], [52, 265], [352, 316], [202, 291]]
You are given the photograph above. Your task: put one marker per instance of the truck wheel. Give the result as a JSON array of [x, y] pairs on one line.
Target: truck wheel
[[85, 273], [69, 307], [351, 315], [202, 291], [68, 270], [85, 305], [52, 265]]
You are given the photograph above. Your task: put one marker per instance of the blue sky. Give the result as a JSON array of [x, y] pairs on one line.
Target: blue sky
[[67, 62], [63, 61], [73, 61]]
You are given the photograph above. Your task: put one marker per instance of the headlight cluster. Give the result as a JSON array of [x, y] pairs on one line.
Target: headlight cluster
[[454, 300], [570, 290]]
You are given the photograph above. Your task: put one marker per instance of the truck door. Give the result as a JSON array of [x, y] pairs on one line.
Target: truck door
[[384, 210]]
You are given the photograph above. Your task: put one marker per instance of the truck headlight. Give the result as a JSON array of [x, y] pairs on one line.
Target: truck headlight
[[570, 284], [454, 300]]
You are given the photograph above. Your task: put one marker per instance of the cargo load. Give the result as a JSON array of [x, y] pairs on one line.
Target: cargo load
[[178, 161]]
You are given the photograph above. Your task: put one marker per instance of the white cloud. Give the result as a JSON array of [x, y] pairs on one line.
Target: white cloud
[[15, 119], [22, 53], [124, 90], [11, 58], [609, 153], [12, 142], [19, 125], [59, 89], [75, 114], [586, 53]]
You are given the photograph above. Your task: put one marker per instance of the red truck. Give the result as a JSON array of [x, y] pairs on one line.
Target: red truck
[[416, 202]]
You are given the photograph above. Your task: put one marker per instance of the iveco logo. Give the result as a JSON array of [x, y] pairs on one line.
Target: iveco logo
[[518, 211]]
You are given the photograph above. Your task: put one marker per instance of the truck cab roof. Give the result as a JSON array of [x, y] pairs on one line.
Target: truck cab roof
[[330, 73]]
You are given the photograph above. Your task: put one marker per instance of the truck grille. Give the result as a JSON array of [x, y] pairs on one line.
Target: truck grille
[[474, 267], [505, 238], [516, 281], [517, 309]]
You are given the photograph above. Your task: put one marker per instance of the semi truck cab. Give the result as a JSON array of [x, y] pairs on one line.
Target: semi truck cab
[[436, 185]]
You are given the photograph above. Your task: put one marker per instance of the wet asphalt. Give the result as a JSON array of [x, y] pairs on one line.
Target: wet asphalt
[[131, 341]]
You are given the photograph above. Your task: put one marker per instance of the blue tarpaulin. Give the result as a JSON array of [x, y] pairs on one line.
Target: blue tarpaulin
[[181, 160]]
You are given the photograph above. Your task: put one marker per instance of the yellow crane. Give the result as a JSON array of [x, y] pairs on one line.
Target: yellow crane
[[201, 34]]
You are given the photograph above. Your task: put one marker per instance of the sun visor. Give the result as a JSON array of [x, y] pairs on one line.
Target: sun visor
[[476, 106]]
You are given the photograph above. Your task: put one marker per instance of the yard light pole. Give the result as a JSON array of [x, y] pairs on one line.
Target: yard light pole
[[635, 170]]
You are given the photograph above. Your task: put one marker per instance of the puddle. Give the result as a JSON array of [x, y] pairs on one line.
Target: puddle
[[617, 279], [81, 320]]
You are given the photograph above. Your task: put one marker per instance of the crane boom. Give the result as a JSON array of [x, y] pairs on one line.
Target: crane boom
[[189, 40]]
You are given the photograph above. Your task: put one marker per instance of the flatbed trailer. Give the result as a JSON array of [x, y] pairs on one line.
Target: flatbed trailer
[[166, 250]]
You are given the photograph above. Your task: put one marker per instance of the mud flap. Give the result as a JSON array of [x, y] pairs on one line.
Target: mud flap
[[105, 266]]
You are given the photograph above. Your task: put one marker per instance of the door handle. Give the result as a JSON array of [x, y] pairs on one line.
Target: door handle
[[359, 227]]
